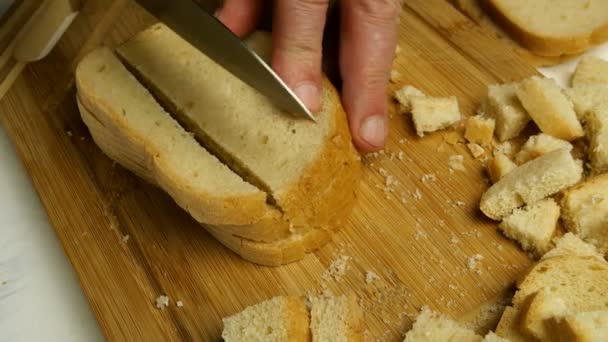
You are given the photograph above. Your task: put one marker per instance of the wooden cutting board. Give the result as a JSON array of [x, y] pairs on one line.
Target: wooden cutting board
[[418, 247]]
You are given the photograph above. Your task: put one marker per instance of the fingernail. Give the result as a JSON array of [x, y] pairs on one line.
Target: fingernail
[[373, 130], [308, 93]]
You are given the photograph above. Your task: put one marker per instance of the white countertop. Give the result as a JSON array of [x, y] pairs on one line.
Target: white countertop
[[40, 297]]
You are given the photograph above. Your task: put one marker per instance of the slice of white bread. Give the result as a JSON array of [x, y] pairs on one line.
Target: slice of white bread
[[404, 97], [539, 144], [431, 114], [508, 326], [431, 326], [549, 108], [336, 319], [533, 225], [553, 28], [597, 132], [133, 129], [591, 326], [590, 70], [273, 253], [293, 160], [280, 319], [504, 106], [531, 182], [492, 337], [579, 281], [585, 211], [543, 307], [480, 129], [570, 244], [587, 97], [499, 166]]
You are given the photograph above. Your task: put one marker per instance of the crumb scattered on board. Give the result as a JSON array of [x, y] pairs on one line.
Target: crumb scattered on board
[[162, 302], [370, 277], [179, 304], [337, 269]]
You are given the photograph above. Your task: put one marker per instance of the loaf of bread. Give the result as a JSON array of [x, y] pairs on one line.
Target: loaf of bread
[[267, 185], [531, 182], [553, 28], [549, 108], [280, 319], [585, 211]]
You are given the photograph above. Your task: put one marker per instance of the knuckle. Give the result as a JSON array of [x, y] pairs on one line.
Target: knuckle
[[384, 10]]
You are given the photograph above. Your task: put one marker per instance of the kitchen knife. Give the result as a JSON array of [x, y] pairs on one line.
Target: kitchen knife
[[201, 29]]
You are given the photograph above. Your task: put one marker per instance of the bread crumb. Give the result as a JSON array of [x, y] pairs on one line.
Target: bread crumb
[[337, 268], [397, 49], [476, 150], [162, 302], [429, 177], [401, 155], [69, 133], [370, 277], [417, 194], [454, 240], [456, 162], [395, 76], [125, 238], [473, 261], [419, 235], [179, 304], [505, 148]]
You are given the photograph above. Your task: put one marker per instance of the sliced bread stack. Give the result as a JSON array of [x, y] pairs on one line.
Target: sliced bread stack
[[287, 319], [267, 185]]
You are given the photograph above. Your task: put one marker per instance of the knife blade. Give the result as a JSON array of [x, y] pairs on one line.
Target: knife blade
[[214, 39]]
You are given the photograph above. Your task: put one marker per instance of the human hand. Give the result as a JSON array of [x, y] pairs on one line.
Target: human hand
[[368, 35]]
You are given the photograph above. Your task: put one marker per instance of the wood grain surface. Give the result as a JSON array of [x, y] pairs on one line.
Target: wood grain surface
[[417, 239]]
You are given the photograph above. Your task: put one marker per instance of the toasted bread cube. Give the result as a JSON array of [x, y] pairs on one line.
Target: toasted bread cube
[[504, 106], [571, 244], [549, 107], [480, 130], [587, 97], [539, 144], [431, 326], [585, 211], [431, 114], [499, 166], [405, 95], [590, 70], [532, 226], [597, 128], [336, 318]]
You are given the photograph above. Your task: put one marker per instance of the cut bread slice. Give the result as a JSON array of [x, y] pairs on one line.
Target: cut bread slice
[[533, 225], [590, 70], [539, 144], [587, 97], [480, 130], [294, 160], [549, 108], [336, 319], [570, 244], [274, 253], [432, 326], [280, 319], [585, 211], [499, 166], [504, 106], [508, 327], [133, 129], [531, 182], [589, 326], [544, 307], [597, 132], [579, 281], [553, 28]]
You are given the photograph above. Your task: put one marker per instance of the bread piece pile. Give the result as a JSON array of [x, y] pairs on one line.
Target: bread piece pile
[[287, 319], [561, 297], [544, 166], [553, 27], [269, 186]]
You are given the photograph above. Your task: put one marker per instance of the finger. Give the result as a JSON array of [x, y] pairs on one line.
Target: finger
[[240, 16], [369, 35], [297, 37]]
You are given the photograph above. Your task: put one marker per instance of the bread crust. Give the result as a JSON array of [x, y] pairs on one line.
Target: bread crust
[[545, 45]]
